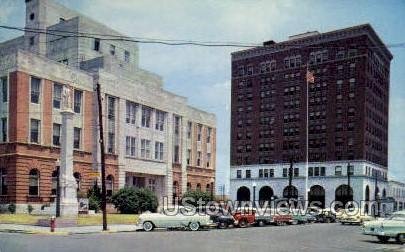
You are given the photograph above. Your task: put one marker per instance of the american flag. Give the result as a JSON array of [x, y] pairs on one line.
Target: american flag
[[310, 77]]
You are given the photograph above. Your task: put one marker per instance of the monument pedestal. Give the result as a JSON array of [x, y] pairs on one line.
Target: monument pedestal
[[68, 186]]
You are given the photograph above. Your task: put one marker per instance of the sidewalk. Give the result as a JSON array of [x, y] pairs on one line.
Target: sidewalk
[[31, 229]]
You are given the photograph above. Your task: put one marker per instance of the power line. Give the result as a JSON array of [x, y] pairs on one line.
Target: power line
[[177, 42]]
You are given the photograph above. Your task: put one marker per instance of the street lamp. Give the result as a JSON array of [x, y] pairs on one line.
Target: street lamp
[[212, 180], [254, 194], [57, 203]]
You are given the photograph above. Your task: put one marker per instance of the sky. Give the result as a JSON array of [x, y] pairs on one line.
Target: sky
[[203, 74]]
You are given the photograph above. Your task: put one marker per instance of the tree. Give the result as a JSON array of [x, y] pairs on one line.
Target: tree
[[195, 196], [130, 200], [94, 195]]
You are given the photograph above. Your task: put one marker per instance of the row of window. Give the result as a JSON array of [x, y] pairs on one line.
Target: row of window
[[294, 61], [34, 182], [312, 172], [131, 150], [111, 49]]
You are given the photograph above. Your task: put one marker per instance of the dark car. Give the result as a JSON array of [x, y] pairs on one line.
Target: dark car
[[220, 216], [323, 215]]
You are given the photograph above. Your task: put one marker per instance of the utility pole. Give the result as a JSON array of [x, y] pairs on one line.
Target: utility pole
[[290, 177], [348, 179], [101, 131]]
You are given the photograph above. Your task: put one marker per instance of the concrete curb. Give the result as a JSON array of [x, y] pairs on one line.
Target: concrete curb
[[32, 232]]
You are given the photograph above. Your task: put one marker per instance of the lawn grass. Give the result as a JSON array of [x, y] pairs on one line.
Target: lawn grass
[[87, 220], [20, 218], [82, 220]]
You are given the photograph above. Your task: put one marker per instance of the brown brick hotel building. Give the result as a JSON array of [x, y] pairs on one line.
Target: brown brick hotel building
[[347, 116]]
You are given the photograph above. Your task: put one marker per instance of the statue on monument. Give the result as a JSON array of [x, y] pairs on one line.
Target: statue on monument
[[67, 98]]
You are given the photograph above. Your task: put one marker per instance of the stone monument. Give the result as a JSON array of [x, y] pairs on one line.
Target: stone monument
[[68, 185]]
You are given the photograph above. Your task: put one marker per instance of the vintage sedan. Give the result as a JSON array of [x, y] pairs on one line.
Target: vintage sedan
[[182, 217], [353, 216], [385, 229]]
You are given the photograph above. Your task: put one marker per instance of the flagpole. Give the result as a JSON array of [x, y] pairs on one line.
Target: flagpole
[[307, 133]]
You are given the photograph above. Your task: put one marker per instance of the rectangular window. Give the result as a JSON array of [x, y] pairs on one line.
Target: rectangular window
[[146, 115], [316, 171], [296, 172], [158, 151], [160, 120], [145, 148], [260, 173], [285, 172], [266, 173], [4, 130], [35, 131], [4, 89], [176, 157], [209, 130], [176, 125], [127, 56], [57, 95], [111, 108], [35, 89], [32, 41], [188, 157], [77, 106], [3, 182], [77, 137], [310, 171], [208, 159], [112, 50], [322, 171], [189, 129], [111, 142], [56, 134], [247, 173], [271, 173], [238, 173], [198, 158], [199, 132], [130, 149], [131, 112], [96, 44]]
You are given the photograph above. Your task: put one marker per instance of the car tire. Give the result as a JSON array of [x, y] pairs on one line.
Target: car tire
[[148, 226], [223, 225], [243, 223], [401, 238], [194, 226], [383, 239], [261, 223], [279, 223]]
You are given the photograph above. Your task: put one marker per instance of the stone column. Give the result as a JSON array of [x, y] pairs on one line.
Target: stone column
[[184, 148], [68, 186], [168, 184]]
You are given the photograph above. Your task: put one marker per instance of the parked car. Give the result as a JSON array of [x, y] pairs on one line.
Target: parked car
[[322, 215], [221, 217], [244, 216], [353, 216], [385, 229], [183, 218], [263, 219]]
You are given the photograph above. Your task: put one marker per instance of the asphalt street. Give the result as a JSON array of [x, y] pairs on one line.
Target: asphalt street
[[314, 237]]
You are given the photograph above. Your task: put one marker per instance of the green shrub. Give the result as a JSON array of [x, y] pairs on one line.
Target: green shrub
[[12, 208], [30, 209], [196, 196], [94, 196], [129, 200]]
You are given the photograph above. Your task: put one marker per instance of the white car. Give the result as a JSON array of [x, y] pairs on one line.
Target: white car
[[181, 218]]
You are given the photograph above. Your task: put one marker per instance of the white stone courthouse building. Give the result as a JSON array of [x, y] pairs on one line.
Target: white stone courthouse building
[[153, 138]]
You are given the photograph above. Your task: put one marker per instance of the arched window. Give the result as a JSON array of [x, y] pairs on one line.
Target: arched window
[[54, 183], [109, 185], [33, 189], [3, 182], [198, 187], [207, 188], [188, 186], [78, 178]]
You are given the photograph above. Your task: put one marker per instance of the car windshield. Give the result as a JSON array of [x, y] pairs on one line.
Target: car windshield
[[400, 217]]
